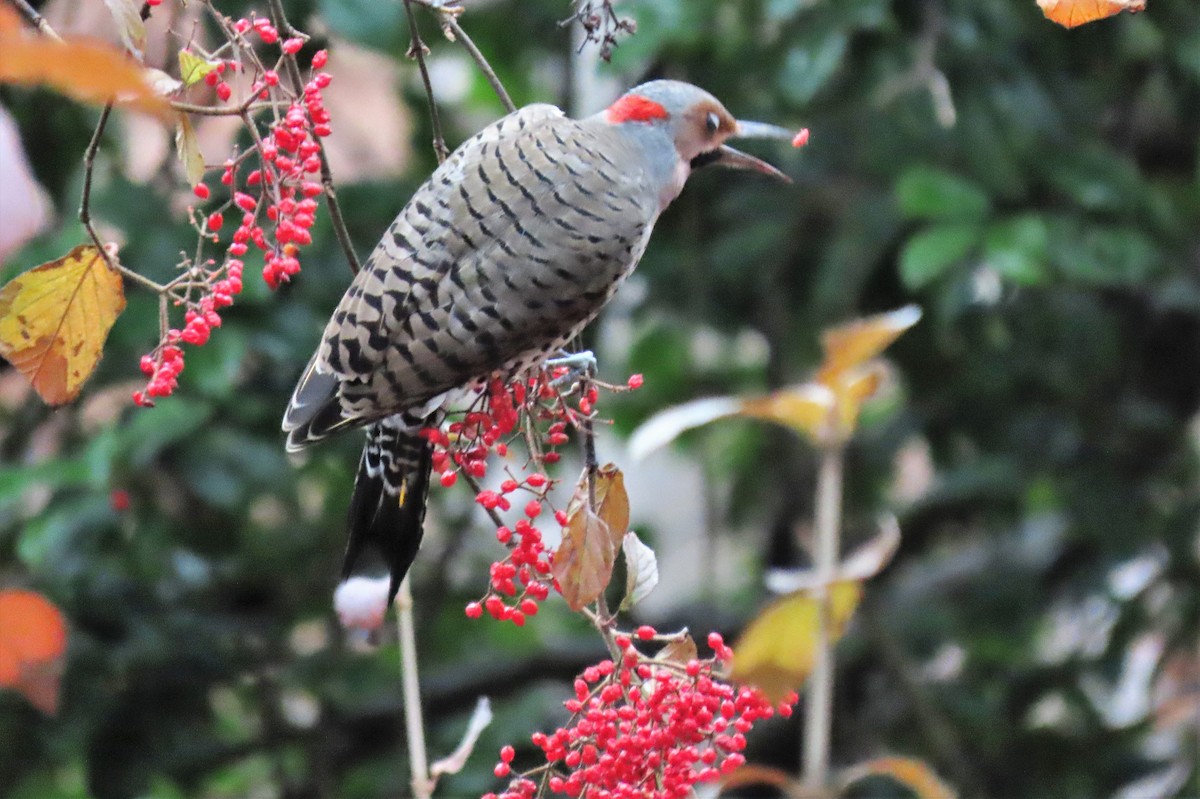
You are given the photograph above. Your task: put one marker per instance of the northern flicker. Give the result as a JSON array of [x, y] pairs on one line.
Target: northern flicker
[[503, 255]]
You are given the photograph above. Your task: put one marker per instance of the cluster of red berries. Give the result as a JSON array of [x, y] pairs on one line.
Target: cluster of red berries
[[280, 194], [645, 728], [523, 578]]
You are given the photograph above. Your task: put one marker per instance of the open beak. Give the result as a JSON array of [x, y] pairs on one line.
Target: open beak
[[736, 159]]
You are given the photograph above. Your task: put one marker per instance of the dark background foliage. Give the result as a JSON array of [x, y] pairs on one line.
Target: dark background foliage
[[1052, 235]]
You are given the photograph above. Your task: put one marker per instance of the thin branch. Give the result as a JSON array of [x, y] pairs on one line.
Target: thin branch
[[456, 32], [85, 204], [35, 19], [418, 762], [417, 50], [218, 111], [818, 717]]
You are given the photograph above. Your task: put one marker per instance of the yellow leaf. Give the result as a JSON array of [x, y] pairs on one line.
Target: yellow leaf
[[777, 650], [912, 774], [807, 409], [188, 148], [193, 68], [54, 320], [91, 72], [852, 390], [1072, 13], [583, 562], [857, 342]]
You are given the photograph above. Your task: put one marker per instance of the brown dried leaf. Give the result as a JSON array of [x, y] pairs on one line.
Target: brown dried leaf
[[679, 650], [583, 562]]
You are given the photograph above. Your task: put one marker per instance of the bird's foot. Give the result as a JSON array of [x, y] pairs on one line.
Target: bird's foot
[[578, 364]]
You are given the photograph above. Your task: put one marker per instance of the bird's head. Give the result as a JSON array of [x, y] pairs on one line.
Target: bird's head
[[695, 122]]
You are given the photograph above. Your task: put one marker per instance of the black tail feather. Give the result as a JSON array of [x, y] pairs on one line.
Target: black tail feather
[[387, 510]]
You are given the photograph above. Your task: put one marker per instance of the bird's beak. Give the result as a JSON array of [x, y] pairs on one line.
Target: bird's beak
[[736, 159]]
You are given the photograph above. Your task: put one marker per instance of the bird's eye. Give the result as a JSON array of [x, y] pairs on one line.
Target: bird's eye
[[712, 122]]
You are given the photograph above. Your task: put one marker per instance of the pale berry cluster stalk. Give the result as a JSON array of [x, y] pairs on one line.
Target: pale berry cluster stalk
[[271, 189], [644, 728]]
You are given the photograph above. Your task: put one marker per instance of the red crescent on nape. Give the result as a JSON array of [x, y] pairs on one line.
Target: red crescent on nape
[[635, 108]]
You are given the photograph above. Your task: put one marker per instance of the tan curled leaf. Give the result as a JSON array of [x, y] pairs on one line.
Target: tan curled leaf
[[583, 562], [641, 570], [55, 318], [679, 650], [187, 146], [33, 638], [777, 650], [915, 775], [1073, 13], [127, 15], [667, 425], [88, 71], [193, 68]]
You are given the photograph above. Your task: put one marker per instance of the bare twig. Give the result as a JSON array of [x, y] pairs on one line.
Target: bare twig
[[456, 32], [35, 19], [819, 710], [85, 205], [417, 51], [418, 762]]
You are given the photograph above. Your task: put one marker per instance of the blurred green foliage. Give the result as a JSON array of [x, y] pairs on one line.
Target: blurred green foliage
[[1036, 190]]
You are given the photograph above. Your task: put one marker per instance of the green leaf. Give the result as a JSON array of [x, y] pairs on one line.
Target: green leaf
[[927, 193], [193, 68], [1018, 249], [928, 254]]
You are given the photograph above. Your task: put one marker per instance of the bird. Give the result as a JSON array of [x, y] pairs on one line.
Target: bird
[[509, 249]]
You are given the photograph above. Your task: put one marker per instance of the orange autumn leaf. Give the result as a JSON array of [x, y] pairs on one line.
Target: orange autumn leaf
[[583, 563], [54, 320], [87, 71], [33, 637], [1073, 13]]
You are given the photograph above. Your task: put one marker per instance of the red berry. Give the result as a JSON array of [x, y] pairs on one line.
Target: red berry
[[645, 632], [319, 58], [201, 191], [448, 478], [223, 91], [474, 610], [635, 381], [215, 220]]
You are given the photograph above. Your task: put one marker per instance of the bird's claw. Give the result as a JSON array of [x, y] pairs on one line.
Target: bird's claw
[[578, 364]]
